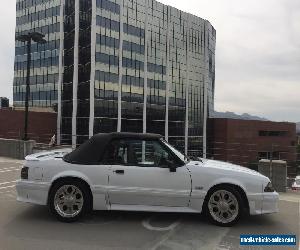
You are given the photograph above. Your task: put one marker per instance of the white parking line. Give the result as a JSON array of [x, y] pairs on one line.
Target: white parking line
[[146, 224], [10, 170], [8, 191], [165, 237], [9, 195], [289, 199], [8, 160], [8, 182], [7, 187]]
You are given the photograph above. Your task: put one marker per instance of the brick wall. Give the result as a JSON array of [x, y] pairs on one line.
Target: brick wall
[[41, 126], [240, 142]]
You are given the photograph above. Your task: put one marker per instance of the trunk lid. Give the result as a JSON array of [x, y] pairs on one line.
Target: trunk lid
[[47, 155]]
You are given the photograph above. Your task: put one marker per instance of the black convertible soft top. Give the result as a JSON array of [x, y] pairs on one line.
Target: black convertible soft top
[[91, 152]]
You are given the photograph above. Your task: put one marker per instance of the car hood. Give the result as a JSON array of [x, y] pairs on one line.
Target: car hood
[[219, 165]]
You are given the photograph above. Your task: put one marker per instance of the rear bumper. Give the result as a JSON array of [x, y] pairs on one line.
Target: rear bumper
[[32, 192], [264, 203]]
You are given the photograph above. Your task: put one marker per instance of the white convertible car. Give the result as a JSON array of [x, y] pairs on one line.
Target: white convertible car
[[141, 172]]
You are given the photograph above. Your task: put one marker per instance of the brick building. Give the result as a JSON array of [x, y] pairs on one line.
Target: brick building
[[245, 142], [42, 125]]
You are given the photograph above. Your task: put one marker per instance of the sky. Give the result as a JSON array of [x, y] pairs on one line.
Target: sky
[[257, 54]]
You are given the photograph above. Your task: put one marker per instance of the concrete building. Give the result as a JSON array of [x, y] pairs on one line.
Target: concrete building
[[245, 142], [119, 65]]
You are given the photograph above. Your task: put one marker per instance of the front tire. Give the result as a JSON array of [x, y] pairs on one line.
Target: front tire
[[69, 200], [224, 206]]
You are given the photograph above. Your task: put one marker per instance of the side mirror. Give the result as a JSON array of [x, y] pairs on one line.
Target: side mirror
[[172, 168], [165, 163]]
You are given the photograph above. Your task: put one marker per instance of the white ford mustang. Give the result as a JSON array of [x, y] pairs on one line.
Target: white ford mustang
[[141, 172]]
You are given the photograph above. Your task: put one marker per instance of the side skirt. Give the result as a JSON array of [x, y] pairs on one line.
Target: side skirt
[[153, 208]]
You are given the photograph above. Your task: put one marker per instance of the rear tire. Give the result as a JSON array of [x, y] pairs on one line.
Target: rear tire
[[69, 200], [224, 206]]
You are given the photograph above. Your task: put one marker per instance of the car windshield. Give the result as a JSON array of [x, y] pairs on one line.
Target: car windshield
[[297, 182], [182, 156]]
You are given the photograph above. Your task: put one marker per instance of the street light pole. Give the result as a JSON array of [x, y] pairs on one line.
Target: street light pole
[[38, 38], [25, 138]]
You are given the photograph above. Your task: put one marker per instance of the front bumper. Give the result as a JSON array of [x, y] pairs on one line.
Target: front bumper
[[32, 192], [263, 203]]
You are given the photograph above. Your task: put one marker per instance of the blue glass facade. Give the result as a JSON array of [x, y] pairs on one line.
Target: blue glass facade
[[39, 16]]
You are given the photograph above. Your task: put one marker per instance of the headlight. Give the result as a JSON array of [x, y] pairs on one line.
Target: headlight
[[269, 188], [24, 173]]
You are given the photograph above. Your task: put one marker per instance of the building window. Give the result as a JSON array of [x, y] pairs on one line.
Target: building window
[[268, 155], [272, 133]]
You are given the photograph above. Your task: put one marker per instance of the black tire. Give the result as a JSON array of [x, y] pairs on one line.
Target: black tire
[[86, 196], [211, 215]]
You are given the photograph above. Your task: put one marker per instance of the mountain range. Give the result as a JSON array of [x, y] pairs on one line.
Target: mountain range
[[232, 115], [244, 116]]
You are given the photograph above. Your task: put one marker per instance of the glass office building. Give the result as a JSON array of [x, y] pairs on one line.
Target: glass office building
[[43, 17], [119, 65]]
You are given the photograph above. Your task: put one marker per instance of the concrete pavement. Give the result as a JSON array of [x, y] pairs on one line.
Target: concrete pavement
[[25, 226]]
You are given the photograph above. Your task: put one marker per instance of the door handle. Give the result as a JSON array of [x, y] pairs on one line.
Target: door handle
[[119, 171]]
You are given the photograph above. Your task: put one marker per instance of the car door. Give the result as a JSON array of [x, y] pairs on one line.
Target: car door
[[140, 175]]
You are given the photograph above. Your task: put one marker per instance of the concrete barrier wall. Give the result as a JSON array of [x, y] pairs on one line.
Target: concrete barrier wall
[[279, 173], [16, 149]]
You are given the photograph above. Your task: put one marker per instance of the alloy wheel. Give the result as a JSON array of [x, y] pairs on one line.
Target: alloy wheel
[[223, 206], [68, 201]]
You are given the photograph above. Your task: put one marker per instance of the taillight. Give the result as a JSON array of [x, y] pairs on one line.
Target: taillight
[[24, 173]]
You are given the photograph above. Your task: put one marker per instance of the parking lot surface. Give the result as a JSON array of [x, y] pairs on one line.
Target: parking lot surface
[[25, 226]]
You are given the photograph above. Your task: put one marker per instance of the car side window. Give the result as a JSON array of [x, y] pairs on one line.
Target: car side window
[[142, 153], [116, 153], [148, 153]]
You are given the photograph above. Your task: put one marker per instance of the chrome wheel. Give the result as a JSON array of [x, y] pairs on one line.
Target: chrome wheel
[[223, 206], [68, 201]]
